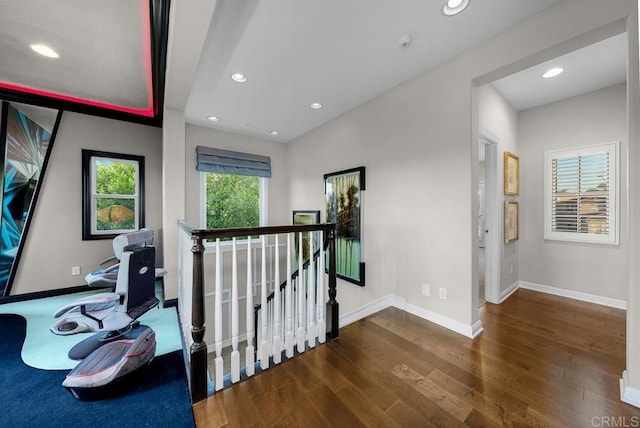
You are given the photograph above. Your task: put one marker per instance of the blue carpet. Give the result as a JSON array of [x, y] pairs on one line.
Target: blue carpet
[[45, 350], [155, 395]]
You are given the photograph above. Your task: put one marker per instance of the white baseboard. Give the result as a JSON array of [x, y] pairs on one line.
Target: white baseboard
[[509, 291], [372, 308], [629, 394], [470, 331], [576, 295], [400, 303]]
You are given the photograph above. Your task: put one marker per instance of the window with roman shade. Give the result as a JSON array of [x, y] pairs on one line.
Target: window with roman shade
[[233, 188], [581, 199], [209, 159]]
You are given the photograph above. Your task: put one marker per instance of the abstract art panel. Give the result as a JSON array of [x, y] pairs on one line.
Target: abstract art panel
[[25, 142]]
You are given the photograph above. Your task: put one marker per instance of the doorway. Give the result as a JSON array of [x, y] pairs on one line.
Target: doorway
[[488, 219]]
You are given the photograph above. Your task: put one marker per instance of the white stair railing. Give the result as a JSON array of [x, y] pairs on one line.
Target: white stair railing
[[292, 312]]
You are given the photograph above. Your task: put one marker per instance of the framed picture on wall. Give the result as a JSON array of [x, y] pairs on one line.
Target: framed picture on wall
[[305, 217], [112, 194], [343, 197], [510, 221], [511, 174]]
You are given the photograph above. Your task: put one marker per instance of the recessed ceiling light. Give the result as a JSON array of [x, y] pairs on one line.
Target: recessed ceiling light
[[44, 50], [553, 72], [274, 133], [454, 7], [315, 106], [239, 77], [212, 118]]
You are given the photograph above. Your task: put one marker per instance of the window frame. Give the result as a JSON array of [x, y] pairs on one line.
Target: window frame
[[263, 204], [89, 195], [613, 237]]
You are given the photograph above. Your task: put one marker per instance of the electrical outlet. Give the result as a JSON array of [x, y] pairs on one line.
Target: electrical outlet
[[426, 290], [75, 270], [443, 293], [511, 269]]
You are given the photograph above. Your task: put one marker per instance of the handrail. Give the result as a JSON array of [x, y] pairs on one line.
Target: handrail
[[294, 275], [198, 349], [267, 230]]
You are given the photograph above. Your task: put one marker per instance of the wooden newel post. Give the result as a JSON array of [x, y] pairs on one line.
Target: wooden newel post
[[198, 350], [332, 305]]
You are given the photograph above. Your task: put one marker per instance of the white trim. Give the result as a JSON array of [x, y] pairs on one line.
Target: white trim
[[576, 295], [613, 237], [371, 308], [509, 291], [493, 215], [263, 201], [629, 394], [470, 331]]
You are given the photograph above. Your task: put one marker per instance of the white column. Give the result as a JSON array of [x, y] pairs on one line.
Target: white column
[[264, 311], [173, 195], [218, 319], [288, 302], [249, 356], [277, 314], [320, 299], [300, 333], [311, 294], [235, 354]]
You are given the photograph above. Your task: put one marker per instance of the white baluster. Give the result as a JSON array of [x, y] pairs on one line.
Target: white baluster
[[250, 356], [288, 302], [235, 354], [322, 323], [311, 294], [300, 333], [277, 311], [218, 319], [264, 312]]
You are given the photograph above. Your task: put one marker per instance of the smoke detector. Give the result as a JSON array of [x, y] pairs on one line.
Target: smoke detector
[[404, 41]]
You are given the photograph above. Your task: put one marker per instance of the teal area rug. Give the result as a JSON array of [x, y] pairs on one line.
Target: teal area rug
[[44, 350]]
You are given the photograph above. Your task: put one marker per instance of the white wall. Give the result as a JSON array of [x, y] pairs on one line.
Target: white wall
[[54, 243], [419, 144], [594, 118], [278, 208], [499, 117], [279, 213]]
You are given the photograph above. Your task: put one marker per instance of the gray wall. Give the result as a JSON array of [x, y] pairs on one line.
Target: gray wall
[[54, 243], [498, 117], [278, 208], [595, 118], [419, 144]]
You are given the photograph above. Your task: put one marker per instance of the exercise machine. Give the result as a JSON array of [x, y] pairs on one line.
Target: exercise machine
[[121, 344]]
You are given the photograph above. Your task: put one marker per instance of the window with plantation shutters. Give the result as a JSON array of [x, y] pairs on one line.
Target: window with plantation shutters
[[581, 194]]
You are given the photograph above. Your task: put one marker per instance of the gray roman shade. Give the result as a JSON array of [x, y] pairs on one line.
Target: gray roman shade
[[227, 162]]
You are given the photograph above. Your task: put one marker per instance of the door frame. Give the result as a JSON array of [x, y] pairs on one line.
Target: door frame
[[493, 216]]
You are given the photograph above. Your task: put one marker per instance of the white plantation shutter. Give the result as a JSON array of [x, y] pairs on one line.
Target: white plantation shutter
[[580, 194]]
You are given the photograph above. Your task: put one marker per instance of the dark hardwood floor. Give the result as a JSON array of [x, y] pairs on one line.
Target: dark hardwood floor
[[542, 361]]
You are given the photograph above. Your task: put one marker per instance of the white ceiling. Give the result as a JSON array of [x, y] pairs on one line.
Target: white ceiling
[[598, 66], [341, 53], [103, 46]]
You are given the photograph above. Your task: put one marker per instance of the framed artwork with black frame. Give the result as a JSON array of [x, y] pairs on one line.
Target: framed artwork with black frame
[[344, 206], [112, 194], [306, 217]]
